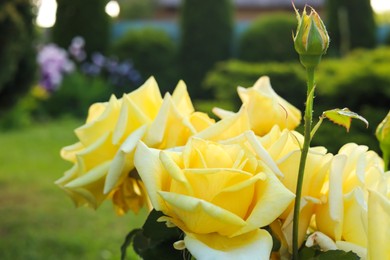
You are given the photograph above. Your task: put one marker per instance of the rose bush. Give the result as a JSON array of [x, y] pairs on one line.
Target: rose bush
[[221, 184], [218, 193]]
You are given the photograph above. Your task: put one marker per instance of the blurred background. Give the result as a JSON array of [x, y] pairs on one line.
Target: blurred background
[[57, 57]]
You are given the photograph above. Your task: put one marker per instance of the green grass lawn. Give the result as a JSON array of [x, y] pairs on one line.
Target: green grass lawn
[[37, 219]]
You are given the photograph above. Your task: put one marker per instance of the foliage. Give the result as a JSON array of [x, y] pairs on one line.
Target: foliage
[[154, 240], [20, 115], [312, 253], [152, 51], [363, 77], [85, 18], [346, 27], [206, 34], [17, 53], [359, 81], [269, 39], [77, 93]]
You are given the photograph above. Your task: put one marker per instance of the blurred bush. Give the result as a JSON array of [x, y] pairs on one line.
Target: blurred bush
[[206, 37], [350, 24], [152, 52], [268, 38], [17, 53], [85, 18], [361, 78], [360, 82], [75, 95]]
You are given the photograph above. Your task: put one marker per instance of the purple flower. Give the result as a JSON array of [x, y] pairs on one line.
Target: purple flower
[[54, 63], [76, 49], [90, 69], [98, 59]]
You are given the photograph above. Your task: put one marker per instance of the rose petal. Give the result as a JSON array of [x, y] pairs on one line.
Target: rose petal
[[98, 152], [378, 226], [200, 121], [123, 161], [199, 216], [69, 152], [266, 210], [256, 245], [181, 99], [147, 98], [152, 173], [355, 216], [93, 130], [227, 128], [336, 205], [170, 128], [93, 175], [95, 110], [131, 117]]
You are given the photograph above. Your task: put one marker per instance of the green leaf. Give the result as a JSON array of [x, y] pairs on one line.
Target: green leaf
[[155, 240], [128, 240], [337, 254], [314, 253], [307, 253], [342, 117], [158, 230]]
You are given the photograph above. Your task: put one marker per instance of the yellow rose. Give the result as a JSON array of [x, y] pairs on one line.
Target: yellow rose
[[379, 223], [265, 108], [284, 146], [219, 194], [343, 215], [103, 157]]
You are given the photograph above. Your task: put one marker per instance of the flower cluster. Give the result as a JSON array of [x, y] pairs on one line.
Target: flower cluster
[[55, 62], [228, 185]]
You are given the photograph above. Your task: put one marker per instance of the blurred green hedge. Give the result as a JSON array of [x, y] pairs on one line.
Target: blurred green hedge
[[85, 18], [76, 94], [206, 32], [152, 52], [361, 82], [268, 38]]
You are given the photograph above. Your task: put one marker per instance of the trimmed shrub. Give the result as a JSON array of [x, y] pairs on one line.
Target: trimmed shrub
[[85, 18], [17, 52], [350, 25], [76, 94], [359, 79], [206, 38], [268, 38], [152, 52]]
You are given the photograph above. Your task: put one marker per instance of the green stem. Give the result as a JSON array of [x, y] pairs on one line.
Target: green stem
[[305, 149], [316, 127]]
